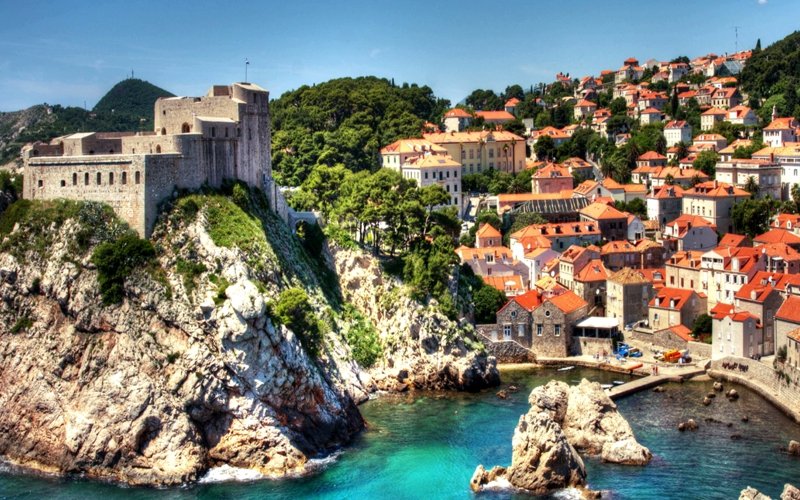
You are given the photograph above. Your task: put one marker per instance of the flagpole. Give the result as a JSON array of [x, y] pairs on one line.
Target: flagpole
[[246, 64]]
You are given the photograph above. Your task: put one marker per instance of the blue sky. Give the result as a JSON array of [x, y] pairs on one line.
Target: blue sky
[[73, 52]]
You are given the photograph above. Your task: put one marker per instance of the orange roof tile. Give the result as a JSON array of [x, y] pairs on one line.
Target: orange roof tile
[[651, 155], [722, 310], [790, 310], [457, 113], [594, 270], [495, 115], [786, 123], [777, 235], [568, 302], [507, 284], [487, 231], [598, 211], [682, 331]]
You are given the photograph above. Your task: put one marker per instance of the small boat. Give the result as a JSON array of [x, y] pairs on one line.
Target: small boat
[[565, 368], [606, 386], [618, 382]]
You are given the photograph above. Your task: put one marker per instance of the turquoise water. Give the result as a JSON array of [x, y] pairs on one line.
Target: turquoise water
[[427, 446]]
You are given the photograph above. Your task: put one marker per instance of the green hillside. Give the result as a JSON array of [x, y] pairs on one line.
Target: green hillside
[[131, 97], [773, 74]]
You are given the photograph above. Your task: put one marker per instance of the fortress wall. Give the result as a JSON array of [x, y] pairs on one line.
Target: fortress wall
[[147, 144], [172, 113], [77, 178], [163, 173]]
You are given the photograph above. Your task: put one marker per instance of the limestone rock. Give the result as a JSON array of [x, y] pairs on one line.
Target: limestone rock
[[793, 448], [626, 452], [481, 477], [732, 395], [751, 493], [542, 459], [718, 386], [790, 492]]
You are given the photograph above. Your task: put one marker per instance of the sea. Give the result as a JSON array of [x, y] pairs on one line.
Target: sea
[[426, 446]]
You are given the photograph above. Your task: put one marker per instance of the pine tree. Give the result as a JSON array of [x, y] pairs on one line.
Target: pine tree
[[758, 46], [673, 104]]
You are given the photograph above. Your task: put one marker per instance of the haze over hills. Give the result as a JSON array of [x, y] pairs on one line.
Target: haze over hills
[[128, 106]]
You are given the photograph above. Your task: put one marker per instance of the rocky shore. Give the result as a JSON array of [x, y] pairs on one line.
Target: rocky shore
[[561, 422], [789, 493], [191, 370]]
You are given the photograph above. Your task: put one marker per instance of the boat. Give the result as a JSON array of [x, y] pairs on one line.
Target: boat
[[618, 382], [606, 386], [565, 368]]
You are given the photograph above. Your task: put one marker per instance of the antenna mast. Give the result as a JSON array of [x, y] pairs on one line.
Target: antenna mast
[[736, 31], [246, 64]]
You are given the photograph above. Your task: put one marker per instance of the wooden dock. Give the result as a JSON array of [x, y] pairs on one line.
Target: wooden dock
[[649, 381]]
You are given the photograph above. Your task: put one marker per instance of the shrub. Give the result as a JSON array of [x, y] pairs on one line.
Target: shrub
[[312, 238], [222, 287], [115, 260], [189, 271], [173, 357], [22, 325], [362, 338], [294, 310]]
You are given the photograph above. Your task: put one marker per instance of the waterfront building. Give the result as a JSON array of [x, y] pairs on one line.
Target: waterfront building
[[675, 306], [628, 292]]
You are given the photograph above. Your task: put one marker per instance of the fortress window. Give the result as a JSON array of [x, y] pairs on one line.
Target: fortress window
[[63, 183], [226, 131], [86, 178], [111, 178], [238, 132], [137, 177], [250, 134], [111, 151], [213, 131], [158, 149], [163, 131], [185, 128], [99, 179], [91, 151], [40, 183], [74, 179], [124, 178]]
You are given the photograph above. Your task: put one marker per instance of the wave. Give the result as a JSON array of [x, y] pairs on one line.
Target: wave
[[226, 473]]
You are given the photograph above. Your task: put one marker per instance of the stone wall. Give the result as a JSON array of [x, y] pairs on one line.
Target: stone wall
[[507, 351], [589, 346], [700, 349], [768, 382]]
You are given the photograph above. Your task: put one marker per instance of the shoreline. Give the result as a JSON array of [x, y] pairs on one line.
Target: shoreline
[[709, 374]]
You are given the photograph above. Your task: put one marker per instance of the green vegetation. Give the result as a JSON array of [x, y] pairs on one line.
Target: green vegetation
[[636, 207], [496, 182], [116, 260], [189, 271], [173, 357], [345, 121], [11, 184], [774, 73], [706, 162], [222, 286], [488, 300], [362, 338], [294, 310], [701, 326], [22, 324], [128, 106], [751, 217]]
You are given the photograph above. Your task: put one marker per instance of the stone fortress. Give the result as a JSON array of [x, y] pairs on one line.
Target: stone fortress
[[197, 141]]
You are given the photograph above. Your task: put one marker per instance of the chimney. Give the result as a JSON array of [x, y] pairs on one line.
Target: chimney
[[774, 113], [753, 294], [672, 303]]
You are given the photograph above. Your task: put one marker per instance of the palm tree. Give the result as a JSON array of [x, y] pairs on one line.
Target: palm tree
[[751, 186]]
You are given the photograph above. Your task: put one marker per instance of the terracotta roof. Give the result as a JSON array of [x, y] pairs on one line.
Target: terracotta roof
[[594, 270], [685, 222], [467, 137], [651, 155], [786, 123], [755, 291], [457, 113], [777, 235], [714, 189], [567, 302], [469, 253], [794, 335], [433, 161], [487, 231], [733, 240], [413, 146], [650, 111], [506, 198], [572, 253], [598, 211], [784, 220], [585, 103], [682, 331], [512, 102], [560, 229], [676, 124], [722, 310], [688, 259], [495, 115], [715, 111], [529, 300], [665, 191], [586, 187], [618, 247], [709, 137], [790, 310], [507, 284], [552, 170], [680, 173]]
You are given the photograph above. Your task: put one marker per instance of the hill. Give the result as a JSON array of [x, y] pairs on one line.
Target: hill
[[128, 106], [131, 97], [347, 121], [773, 74]]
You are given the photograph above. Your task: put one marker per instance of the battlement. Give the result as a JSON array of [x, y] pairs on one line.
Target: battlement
[[197, 141]]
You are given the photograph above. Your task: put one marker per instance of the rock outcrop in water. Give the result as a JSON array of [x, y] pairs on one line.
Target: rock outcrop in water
[[191, 370], [591, 421], [789, 493], [542, 460]]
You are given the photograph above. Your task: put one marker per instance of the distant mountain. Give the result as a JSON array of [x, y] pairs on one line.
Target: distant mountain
[[131, 97], [128, 106]]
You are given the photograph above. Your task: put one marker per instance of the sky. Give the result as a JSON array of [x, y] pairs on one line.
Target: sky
[[71, 53]]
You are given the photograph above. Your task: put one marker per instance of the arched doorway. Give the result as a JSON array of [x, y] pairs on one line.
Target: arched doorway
[[186, 128], [158, 149], [163, 131]]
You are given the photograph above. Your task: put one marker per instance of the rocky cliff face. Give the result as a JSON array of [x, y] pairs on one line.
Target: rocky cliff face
[[190, 370]]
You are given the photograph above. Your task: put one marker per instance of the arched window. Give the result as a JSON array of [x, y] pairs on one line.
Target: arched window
[[186, 128], [163, 131], [158, 149]]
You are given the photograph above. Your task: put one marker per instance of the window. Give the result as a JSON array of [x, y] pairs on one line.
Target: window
[[538, 329], [124, 177], [226, 131], [63, 183], [86, 178], [186, 128], [513, 314], [426, 175], [521, 330], [111, 178], [74, 179], [547, 314], [506, 332], [137, 177], [213, 131], [99, 178], [558, 330], [158, 148]]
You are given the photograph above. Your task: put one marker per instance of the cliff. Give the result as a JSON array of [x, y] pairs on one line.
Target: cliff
[[192, 367]]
